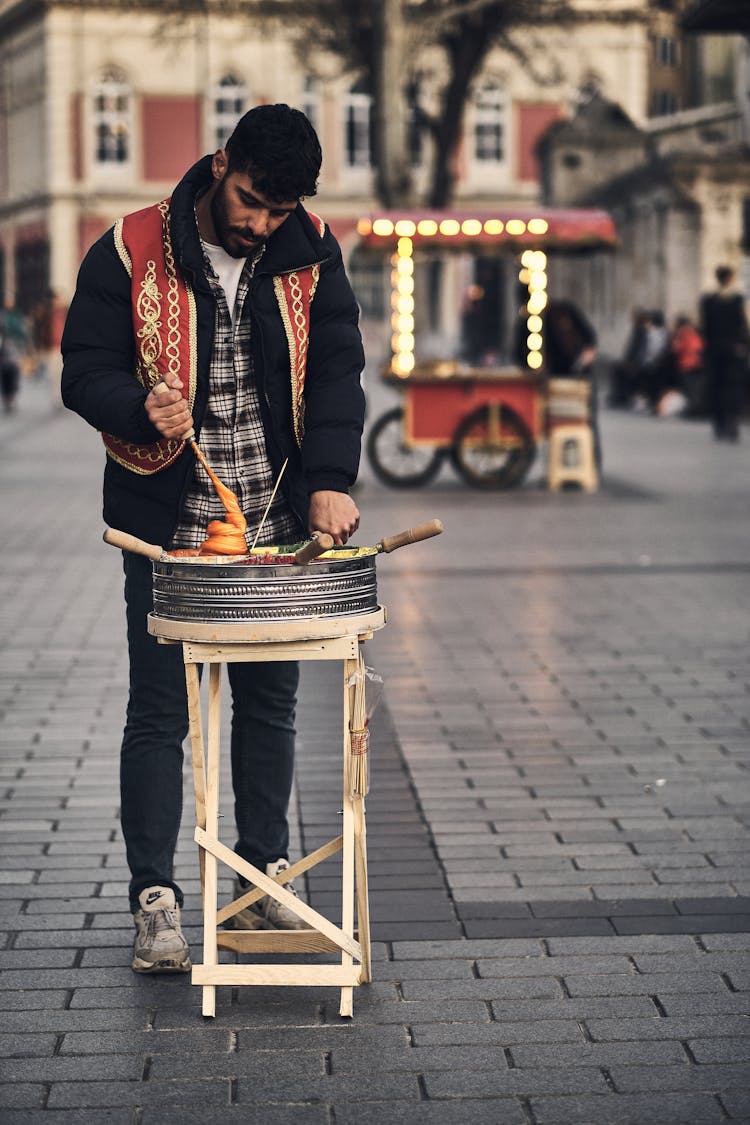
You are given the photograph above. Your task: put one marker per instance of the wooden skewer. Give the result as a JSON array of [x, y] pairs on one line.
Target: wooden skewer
[[270, 502]]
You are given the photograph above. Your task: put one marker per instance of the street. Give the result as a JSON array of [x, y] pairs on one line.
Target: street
[[557, 826]]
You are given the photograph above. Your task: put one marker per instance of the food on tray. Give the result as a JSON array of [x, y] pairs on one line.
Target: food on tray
[[225, 537]]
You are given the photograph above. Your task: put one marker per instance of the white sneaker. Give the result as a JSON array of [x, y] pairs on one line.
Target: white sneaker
[[159, 943], [266, 913]]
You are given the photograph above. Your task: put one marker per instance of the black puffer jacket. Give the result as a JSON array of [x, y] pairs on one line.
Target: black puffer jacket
[[99, 384]]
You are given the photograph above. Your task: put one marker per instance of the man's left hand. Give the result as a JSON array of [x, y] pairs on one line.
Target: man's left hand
[[334, 512]]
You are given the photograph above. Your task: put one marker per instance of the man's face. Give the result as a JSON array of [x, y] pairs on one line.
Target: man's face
[[243, 218]]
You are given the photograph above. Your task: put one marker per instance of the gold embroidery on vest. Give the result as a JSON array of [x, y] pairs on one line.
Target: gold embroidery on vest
[[153, 345], [121, 248], [148, 307]]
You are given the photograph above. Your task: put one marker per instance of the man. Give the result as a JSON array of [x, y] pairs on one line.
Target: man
[[727, 339], [235, 297]]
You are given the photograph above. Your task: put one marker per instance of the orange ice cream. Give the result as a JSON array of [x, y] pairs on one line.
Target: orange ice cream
[[225, 537]]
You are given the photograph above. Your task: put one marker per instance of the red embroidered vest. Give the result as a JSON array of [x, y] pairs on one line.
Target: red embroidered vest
[[165, 326]]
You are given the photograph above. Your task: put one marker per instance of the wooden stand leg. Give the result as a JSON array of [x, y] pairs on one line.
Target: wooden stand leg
[[363, 902], [346, 1007], [192, 681], [210, 949]]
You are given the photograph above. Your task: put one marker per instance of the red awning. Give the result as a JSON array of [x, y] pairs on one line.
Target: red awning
[[571, 227]]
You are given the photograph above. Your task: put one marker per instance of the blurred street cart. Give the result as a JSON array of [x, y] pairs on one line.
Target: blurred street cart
[[486, 396]]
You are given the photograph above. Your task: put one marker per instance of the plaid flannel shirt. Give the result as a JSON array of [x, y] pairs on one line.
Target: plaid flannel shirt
[[232, 436]]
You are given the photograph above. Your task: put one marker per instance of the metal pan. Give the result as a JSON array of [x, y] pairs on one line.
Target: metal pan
[[214, 588]]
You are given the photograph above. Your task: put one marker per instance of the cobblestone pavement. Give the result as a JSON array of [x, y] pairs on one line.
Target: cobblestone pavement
[[558, 822]]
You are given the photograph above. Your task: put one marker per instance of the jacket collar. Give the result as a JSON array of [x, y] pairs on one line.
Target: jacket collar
[[293, 246]]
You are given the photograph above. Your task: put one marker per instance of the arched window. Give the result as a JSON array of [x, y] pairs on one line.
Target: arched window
[[113, 119], [230, 100], [489, 124], [357, 108]]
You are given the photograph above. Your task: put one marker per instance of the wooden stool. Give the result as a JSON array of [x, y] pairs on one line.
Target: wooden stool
[[571, 458], [306, 639]]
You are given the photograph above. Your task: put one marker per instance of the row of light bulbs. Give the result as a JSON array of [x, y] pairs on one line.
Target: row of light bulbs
[[427, 228], [533, 274]]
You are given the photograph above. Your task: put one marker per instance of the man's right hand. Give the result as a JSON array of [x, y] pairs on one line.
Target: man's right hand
[[168, 410]]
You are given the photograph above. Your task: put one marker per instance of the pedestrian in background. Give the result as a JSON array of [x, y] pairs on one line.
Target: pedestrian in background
[[13, 340], [684, 377], [727, 336], [626, 372], [240, 261]]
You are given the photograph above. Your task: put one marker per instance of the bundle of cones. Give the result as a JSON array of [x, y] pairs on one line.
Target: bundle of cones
[[359, 735]]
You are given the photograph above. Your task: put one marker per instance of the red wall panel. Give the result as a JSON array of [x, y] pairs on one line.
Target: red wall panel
[[532, 120], [172, 136]]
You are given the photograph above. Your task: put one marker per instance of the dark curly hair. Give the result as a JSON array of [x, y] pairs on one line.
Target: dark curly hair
[[279, 148]]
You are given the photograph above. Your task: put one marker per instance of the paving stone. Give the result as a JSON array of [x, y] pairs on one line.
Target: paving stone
[[72, 1070], [24, 1094], [295, 1114], [87, 1116], [468, 1112], [619, 1109], [646, 984], [467, 1082], [597, 1054], [537, 927], [721, 1077], [517, 988], [20, 1046], [267, 1089], [736, 1103], [213, 1094], [677, 1027], [707, 1051]]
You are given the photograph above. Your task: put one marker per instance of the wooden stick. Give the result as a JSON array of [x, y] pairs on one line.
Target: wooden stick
[[270, 502]]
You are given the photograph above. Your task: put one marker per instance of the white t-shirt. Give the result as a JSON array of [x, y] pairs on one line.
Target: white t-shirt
[[228, 270]]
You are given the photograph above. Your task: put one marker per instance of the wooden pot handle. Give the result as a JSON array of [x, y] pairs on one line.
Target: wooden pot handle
[[319, 543], [131, 543], [413, 535]]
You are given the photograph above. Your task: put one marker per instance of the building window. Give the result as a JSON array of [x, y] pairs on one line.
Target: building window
[[370, 279], [665, 50], [489, 124], [415, 123], [664, 102], [311, 101], [230, 102], [113, 119], [357, 126]]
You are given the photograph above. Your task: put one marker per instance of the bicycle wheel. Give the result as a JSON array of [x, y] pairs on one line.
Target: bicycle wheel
[[493, 447], [393, 461]]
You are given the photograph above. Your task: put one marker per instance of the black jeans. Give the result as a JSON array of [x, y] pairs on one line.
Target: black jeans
[[262, 748]]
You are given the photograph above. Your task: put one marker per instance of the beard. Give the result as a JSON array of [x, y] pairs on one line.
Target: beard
[[238, 242]]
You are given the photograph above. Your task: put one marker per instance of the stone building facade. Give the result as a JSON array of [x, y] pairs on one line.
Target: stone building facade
[[104, 103]]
